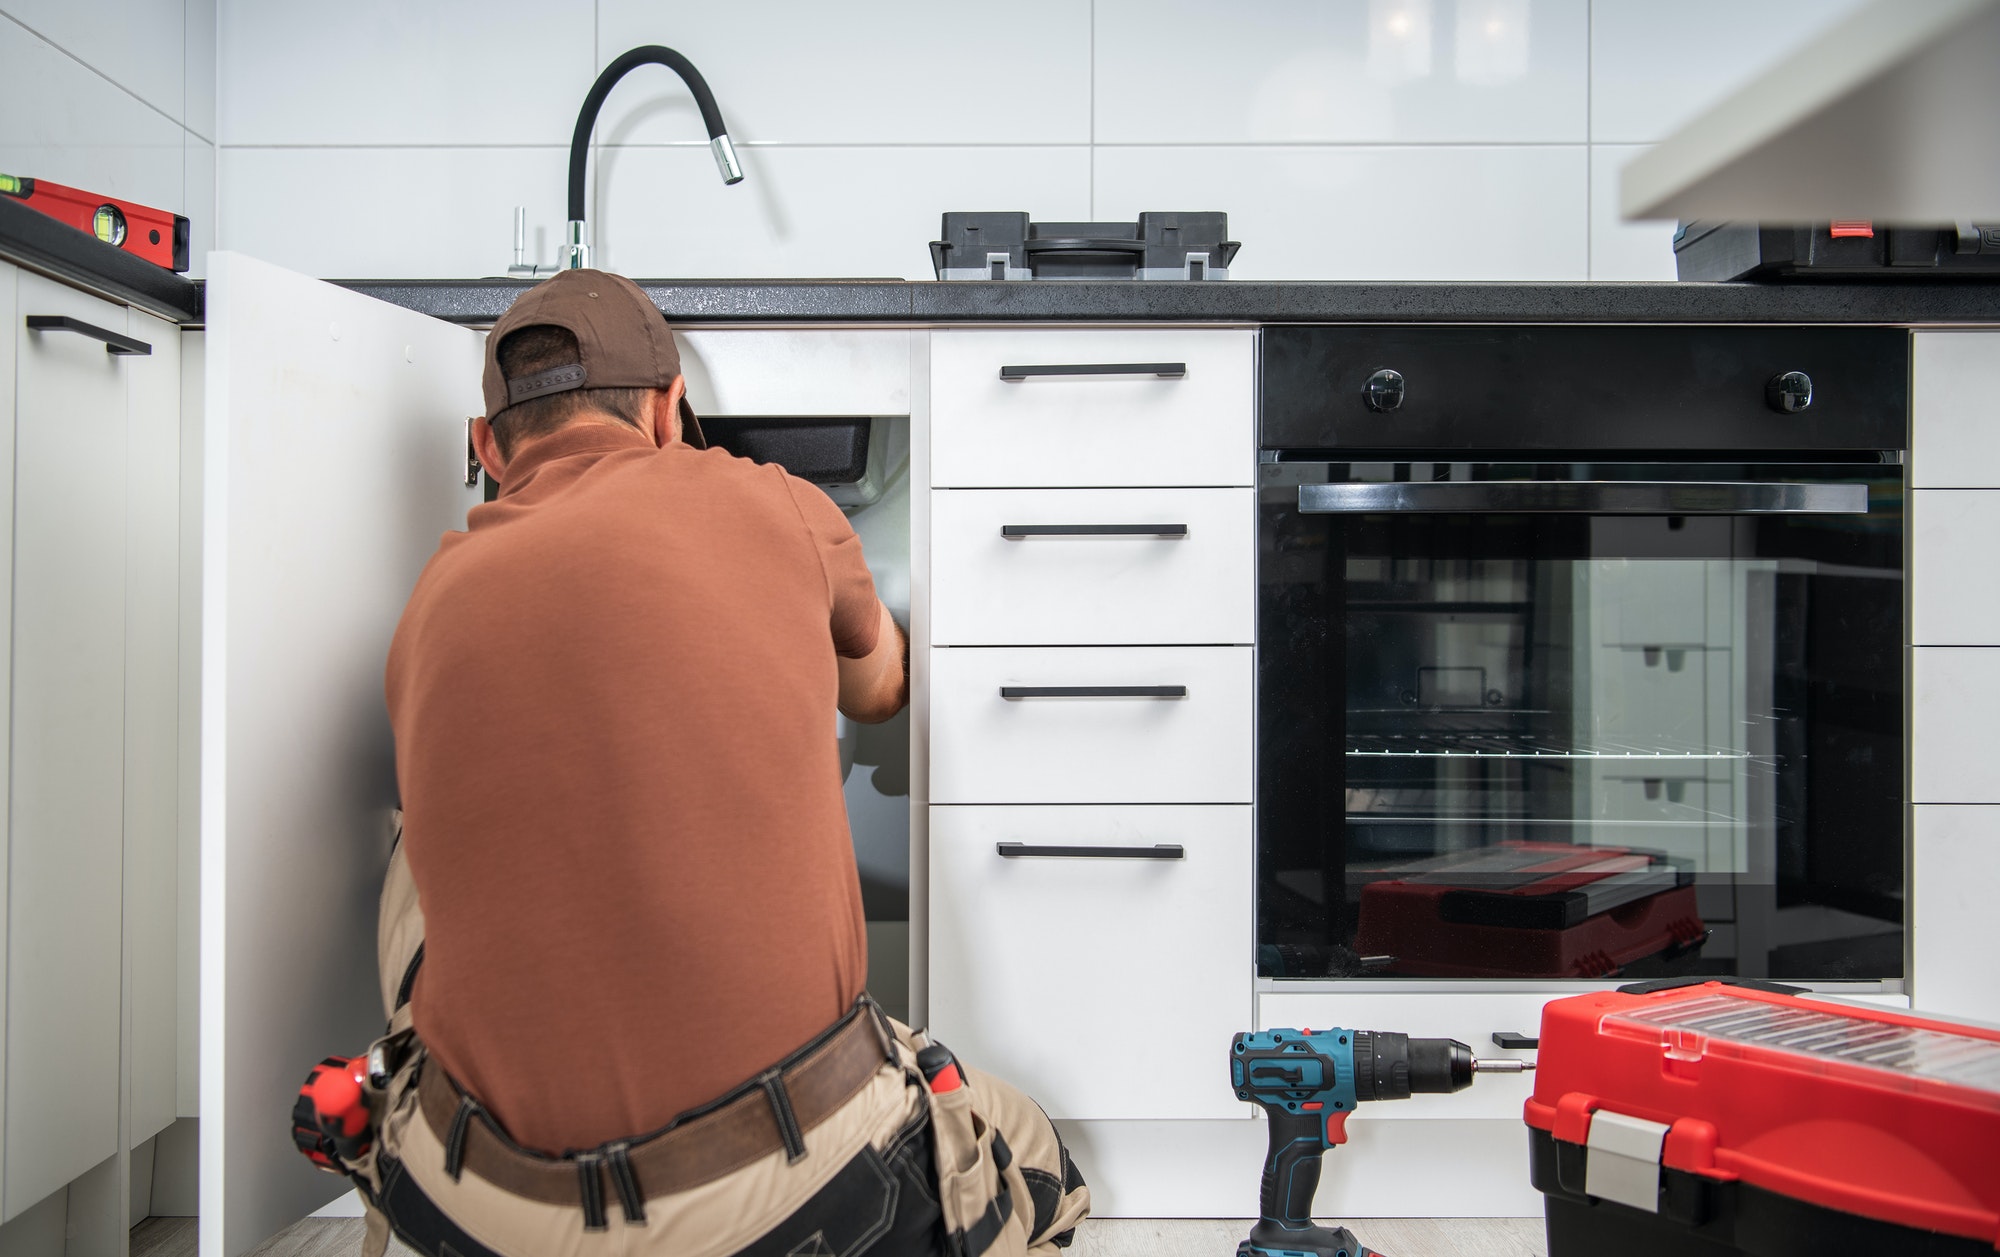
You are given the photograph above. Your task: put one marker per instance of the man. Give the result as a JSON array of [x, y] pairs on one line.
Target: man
[[637, 1005]]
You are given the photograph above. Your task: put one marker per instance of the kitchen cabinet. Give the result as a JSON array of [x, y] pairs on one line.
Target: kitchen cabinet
[[1954, 669], [1086, 682], [92, 904], [334, 458]]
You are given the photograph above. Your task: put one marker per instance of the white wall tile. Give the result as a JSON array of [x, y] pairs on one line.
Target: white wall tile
[[384, 72], [1954, 884], [1341, 71], [1955, 580], [883, 72], [1513, 212], [1955, 409], [64, 122], [352, 213], [1654, 66], [1620, 250], [1954, 693], [198, 87], [814, 211], [137, 44], [198, 166]]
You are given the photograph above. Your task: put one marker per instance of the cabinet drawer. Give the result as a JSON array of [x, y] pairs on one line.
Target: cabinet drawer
[[998, 736], [1106, 427], [1471, 1018], [1093, 566], [1039, 965]]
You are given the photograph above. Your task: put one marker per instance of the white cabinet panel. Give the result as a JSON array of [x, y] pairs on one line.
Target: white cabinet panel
[[1954, 693], [1038, 961], [988, 748], [1092, 429], [307, 385], [9, 346], [66, 811], [777, 372], [1197, 587], [1955, 410], [1470, 1017], [1954, 884], [152, 723], [1954, 591]]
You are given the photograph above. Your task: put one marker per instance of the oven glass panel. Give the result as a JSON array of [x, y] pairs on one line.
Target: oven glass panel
[[1570, 745]]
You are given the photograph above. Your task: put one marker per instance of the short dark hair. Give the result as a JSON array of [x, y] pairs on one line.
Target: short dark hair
[[538, 348]]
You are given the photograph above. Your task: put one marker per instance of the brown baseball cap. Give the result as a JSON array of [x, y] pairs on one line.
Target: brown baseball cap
[[625, 342]]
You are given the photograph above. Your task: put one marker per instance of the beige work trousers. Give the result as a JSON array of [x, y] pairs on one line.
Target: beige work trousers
[[988, 1151]]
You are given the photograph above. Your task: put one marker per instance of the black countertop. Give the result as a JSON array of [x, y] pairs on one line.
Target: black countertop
[[38, 241], [1239, 301], [34, 239]]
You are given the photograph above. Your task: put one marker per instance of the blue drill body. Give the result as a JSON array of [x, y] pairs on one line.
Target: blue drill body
[[1307, 1082]]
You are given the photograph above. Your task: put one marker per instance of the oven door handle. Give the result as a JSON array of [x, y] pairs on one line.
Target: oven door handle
[[1584, 497]]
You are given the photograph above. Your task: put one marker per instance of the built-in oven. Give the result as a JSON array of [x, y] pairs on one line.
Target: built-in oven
[[1580, 652]]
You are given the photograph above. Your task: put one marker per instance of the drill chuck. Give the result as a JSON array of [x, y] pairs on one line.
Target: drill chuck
[[1392, 1066]]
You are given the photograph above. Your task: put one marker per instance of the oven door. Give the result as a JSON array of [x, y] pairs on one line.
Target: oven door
[[1581, 719]]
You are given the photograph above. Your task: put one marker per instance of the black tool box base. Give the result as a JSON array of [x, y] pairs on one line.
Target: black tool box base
[[1700, 1217]]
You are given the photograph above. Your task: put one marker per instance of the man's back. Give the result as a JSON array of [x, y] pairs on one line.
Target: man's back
[[613, 700]]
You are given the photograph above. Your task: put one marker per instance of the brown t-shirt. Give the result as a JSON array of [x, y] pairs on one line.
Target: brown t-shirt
[[613, 698]]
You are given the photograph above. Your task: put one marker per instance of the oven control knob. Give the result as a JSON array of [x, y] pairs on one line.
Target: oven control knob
[[1384, 390], [1790, 392]]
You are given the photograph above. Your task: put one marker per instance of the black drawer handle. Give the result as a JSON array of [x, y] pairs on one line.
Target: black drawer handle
[[1016, 532], [114, 342], [1093, 691], [1515, 1039], [1158, 851], [1165, 370]]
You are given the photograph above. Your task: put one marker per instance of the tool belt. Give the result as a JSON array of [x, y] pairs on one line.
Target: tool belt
[[772, 1111]]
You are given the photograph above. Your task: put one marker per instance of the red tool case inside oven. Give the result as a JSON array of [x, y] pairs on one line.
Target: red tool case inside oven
[[1708, 1119], [1529, 909]]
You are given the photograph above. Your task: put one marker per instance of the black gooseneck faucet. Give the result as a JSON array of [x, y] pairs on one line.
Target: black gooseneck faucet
[[576, 253]]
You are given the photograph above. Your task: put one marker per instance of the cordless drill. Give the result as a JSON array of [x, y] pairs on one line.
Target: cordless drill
[[1308, 1081]]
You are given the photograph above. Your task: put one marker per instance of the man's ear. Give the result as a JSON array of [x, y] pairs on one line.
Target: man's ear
[[487, 446], [666, 408]]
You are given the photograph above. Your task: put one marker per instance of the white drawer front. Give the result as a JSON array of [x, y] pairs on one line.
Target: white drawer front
[[1472, 1019], [1955, 691], [1039, 964], [986, 748], [1192, 578], [1101, 429]]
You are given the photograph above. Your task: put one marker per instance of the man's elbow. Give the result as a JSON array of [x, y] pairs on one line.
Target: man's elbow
[[881, 702]]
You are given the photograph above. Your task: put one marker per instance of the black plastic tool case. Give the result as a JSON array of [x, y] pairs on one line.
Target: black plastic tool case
[[1009, 246]]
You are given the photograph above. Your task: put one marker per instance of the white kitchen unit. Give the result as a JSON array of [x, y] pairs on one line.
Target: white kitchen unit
[[1954, 671], [334, 458], [90, 481]]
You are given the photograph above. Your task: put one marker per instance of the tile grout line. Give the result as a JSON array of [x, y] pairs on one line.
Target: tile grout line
[[107, 78], [1025, 145], [1589, 142], [1091, 109]]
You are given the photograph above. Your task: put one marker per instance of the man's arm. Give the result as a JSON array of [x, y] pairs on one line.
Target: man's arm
[[877, 685]]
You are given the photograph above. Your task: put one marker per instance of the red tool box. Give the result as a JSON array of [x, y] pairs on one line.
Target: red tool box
[[1704, 1119], [1529, 909], [155, 235]]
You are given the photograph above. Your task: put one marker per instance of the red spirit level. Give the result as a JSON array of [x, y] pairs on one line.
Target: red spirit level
[[155, 235]]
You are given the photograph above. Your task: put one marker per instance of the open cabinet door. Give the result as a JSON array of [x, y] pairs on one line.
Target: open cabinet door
[[333, 457]]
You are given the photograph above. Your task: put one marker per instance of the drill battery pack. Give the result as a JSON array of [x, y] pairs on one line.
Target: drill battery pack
[[1703, 1119], [1529, 910]]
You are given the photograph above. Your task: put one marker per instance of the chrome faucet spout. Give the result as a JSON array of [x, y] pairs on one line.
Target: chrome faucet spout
[[576, 253]]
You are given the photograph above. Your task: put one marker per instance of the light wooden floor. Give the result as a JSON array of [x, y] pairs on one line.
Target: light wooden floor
[[1099, 1237]]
